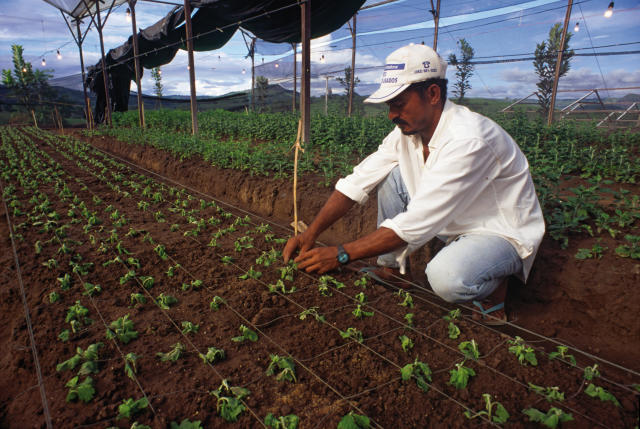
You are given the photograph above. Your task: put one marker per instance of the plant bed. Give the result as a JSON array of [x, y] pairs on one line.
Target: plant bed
[[110, 228]]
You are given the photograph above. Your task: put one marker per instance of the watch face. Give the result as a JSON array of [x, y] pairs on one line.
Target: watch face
[[343, 258]]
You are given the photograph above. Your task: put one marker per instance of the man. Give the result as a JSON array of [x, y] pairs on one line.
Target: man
[[444, 172]]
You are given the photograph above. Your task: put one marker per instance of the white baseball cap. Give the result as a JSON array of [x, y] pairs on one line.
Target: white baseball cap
[[407, 65]]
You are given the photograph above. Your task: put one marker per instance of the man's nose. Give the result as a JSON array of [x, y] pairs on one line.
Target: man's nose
[[392, 113]]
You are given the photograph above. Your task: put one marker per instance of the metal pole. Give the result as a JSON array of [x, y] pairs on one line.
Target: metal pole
[[552, 105], [436, 19], [295, 76], [192, 70], [105, 76], [87, 105], [353, 65], [305, 77], [136, 61], [253, 73]]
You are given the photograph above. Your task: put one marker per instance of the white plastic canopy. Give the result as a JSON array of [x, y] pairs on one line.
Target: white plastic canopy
[[79, 9]]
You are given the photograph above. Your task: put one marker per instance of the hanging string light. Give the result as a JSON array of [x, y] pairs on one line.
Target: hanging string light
[[322, 60], [24, 69], [277, 65], [44, 62], [609, 11], [577, 27], [244, 71], [58, 54], [128, 15]]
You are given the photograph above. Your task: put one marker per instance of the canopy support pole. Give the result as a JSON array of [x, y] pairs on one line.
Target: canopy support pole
[[353, 65], [136, 60], [552, 104], [294, 46], [105, 76], [305, 77], [79, 39], [192, 69], [436, 19]]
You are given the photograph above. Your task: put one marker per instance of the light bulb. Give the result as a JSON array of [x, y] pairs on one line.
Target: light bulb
[[24, 69], [322, 59], [277, 65], [44, 62], [577, 27], [244, 71], [609, 11], [128, 15], [58, 54], [159, 71]]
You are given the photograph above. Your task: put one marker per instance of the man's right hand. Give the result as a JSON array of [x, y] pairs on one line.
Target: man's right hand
[[301, 242]]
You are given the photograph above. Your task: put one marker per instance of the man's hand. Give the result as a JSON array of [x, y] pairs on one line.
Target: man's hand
[[301, 242], [320, 260]]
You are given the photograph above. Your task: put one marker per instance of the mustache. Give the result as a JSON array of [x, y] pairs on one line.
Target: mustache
[[399, 121]]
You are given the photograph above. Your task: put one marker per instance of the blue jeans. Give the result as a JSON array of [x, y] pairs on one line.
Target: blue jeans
[[469, 268]]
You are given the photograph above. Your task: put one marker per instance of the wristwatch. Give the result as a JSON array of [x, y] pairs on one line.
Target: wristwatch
[[343, 256]]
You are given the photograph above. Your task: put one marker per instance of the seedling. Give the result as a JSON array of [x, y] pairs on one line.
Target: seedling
[[499, 415], [77, 316], [65, 282], [600, 393], [469, 349], [172, 355], [165, 301], [161, 251], [524, 353], [362, 282], [247, 334], [88, 358], [185, 424], [551, 419], [420, 372], [454, 331], [591, 372], [54, 297], [361, 297], [313, 311], [285, 368], [78, 268], [83, 391], [51, 263], [562, 354], [406, 343], [130, 365], [352, 333], [147, 281], [242, 243], [550, 393], [122, 328], [91, 289], [407, 300], [130, 408], [230, 404], [283, 422], [354, 421], [280, 287], [250, 274], [460, 375], [189, 328], [133, 262], [215, 303], [359, 313], [267, 258], [171, 271], [130, 275], [226, 260], [409, 318], [286, 272], [452, 315], [213, 355]]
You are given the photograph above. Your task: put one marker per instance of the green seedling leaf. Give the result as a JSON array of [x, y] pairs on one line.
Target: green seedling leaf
[[230, 404], [407, 299], [600, 393], [91, 289], [130, 365], [122, 328], [172, 355], [591, 372], [80, 391], [247, 334], [215, 303], [354, 421], [469, 349], [409, 318], [551, 394], [420, 372], [352, 333], [186, 424], [524, 353], [561, 353], [189, 328], [313, 311], [452, 315], [165, 301], [130, 408], [494, 411], [460, 375], [282, 367], [454, 331], [359, 313], [213, 355], [282, 422], [551, 419], [406, 343], [54, 297]]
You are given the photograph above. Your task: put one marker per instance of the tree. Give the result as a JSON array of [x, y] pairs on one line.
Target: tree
[[262, 83], [346, 84], [28, 86], [464, 69], [546, 58], [156, 75]]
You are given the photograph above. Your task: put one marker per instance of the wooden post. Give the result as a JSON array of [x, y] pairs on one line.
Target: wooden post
[[105, 76], [552, 104], [436, 20], [326, 94], [33, 115], [295, 178], [253, 74], [136, 60], [295, 77], [353, 66], [305, 76], [192, 69]]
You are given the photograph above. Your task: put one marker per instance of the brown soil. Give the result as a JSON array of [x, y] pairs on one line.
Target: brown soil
[[591, 305]]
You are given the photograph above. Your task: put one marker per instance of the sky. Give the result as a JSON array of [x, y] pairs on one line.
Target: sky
[[496, 29]]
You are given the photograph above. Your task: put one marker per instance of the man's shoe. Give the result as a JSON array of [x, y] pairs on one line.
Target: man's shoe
[[389, 277]]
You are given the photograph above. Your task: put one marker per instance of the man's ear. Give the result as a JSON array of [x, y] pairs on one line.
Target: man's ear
[[433, 94]]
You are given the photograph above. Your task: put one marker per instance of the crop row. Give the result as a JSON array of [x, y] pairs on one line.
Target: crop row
[[186, 291]]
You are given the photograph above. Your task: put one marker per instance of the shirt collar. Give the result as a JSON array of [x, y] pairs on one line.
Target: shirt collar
[[440, 128]]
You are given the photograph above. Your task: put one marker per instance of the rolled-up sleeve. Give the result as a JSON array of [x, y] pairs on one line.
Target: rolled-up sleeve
[[463, 171], [371, 171]]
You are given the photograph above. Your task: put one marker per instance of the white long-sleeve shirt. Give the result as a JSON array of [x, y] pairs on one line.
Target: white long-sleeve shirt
[[475, 180]]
